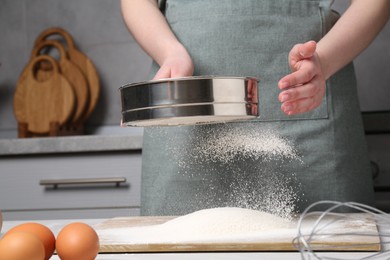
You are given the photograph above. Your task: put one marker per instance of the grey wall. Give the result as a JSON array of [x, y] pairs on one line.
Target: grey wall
[[372, 69], [98, 30]]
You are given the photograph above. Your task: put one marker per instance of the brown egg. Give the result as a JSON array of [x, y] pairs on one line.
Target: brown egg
[[77, 241], [42, 232], [20, 245]]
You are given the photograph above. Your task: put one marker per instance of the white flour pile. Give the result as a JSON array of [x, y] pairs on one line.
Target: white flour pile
[[224, 222], [217, 224]]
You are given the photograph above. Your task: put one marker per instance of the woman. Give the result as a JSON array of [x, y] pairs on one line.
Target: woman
[[319, 112]]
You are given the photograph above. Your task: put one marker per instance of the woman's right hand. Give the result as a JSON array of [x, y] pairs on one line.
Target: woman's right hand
[[177, 64], [151, 30]]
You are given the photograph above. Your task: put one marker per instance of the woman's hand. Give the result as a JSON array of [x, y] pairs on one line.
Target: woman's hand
[[151, 30], [303, 89], [178, 64]]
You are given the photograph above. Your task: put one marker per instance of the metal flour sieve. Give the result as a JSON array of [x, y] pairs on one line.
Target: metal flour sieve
[[189, 101]]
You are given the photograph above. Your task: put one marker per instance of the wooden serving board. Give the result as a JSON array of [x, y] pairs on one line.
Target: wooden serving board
[[86, 66], [39, 103], [71, 72], [139, 234]]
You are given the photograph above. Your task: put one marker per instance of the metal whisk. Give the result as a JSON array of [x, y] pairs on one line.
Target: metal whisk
[[378, 240]]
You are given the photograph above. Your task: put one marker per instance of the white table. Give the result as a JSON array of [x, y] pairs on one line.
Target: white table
[[56, 225]]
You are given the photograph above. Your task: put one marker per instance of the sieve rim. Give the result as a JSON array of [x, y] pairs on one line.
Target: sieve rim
[[190, 97], [165, 80]]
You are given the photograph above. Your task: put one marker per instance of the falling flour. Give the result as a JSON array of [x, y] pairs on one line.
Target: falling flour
[[217, 224], [234, 165], [237, 142]]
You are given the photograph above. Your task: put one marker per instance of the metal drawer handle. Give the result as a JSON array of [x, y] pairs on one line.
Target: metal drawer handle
[[55, 183]]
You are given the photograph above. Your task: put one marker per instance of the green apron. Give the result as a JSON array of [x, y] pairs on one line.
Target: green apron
[[253, 38]]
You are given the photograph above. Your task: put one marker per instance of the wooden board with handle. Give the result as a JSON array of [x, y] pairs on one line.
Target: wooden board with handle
[[40, 103], [71, 72], [81, 61], [112, 239]]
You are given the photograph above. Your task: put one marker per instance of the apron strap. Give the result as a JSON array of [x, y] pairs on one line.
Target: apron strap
[[162, 4]]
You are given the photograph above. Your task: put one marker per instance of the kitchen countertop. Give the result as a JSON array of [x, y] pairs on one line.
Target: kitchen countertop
[[56, 225], [69, 144]]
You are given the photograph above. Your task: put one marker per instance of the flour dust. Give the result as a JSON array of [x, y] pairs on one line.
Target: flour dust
[[235, 165]]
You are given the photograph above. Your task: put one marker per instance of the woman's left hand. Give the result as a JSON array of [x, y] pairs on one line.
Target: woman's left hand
[[303, 89]]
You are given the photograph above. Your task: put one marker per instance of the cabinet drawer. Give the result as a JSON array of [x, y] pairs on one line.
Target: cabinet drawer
[[21, 177]]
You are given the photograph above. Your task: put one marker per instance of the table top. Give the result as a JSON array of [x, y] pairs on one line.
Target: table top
[[56, 225]]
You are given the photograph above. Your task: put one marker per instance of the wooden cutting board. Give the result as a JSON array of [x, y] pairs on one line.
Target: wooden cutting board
[[124, 235], [39, 103], [71, 72], [82, 62]]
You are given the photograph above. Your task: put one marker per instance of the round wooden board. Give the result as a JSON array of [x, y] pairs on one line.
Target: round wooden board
[[82, 62], [71, 72], [39, 103]]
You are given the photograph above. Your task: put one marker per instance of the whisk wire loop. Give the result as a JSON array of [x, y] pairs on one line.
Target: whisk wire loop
[[305, 241]]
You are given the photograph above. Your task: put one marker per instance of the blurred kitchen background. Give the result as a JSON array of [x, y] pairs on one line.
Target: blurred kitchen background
[[108, 150]]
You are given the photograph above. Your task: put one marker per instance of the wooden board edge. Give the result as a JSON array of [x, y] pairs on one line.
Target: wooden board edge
[[232, 247]]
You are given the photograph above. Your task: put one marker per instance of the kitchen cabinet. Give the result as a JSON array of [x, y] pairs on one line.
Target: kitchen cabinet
[[66, 163], [377, 127]]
